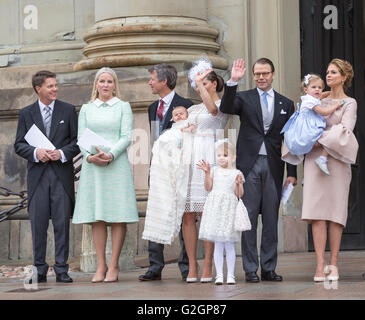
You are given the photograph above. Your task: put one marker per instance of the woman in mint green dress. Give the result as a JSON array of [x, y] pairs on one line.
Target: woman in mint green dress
[[106, 192]]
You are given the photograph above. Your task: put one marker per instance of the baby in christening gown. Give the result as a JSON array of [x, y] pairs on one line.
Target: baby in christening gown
[[181, 124], [306, 125], [168, 180]]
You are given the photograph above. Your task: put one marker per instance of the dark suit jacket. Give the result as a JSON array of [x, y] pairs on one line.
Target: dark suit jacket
[[176, 101], [246, 104], [63, 135]]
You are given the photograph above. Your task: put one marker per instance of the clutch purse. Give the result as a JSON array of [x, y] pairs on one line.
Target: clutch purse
[[241, 220]]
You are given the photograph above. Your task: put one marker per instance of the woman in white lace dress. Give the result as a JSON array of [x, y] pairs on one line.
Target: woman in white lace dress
[[208, 121]]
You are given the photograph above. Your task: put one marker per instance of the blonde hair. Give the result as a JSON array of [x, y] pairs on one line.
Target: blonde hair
[[95, 93], [308, 79], [345, 69], [228, 148]]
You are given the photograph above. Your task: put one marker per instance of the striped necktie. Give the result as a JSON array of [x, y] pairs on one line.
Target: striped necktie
[[47, 119]]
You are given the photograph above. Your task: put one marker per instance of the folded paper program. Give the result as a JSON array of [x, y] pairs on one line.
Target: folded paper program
[[36, 138], [90, 139]]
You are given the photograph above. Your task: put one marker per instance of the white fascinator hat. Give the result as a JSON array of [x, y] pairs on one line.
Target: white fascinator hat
[[199, 66]]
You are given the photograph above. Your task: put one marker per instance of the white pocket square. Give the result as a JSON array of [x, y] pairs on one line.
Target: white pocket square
[[282, 111], [62, 121]]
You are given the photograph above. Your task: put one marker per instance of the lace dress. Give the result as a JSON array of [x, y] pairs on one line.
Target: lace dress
[[218, 217], [207, 128], [168, 186]]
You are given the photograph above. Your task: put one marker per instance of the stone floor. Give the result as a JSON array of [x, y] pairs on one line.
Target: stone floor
[[296, 268]]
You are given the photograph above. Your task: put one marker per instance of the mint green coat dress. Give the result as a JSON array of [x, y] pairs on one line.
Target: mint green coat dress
[[107, 193]]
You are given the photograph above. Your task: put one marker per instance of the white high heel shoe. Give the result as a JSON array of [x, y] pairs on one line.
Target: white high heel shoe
[[321, 279], [333, 273], [195, 279]]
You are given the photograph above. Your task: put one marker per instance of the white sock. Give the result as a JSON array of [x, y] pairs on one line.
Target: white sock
[[218, 257], [323, 159], [230, 258]]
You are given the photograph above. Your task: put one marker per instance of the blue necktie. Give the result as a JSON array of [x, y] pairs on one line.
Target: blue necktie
[[265, 94]]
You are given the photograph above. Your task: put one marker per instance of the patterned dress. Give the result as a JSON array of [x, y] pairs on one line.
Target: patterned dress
[[107, 193], [207, 128]]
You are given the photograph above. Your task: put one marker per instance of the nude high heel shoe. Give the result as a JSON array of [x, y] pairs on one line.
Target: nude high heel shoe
[[96, 280], [115, 279]]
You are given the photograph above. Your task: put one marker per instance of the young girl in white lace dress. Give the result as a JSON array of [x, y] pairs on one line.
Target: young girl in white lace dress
[[225, 184]]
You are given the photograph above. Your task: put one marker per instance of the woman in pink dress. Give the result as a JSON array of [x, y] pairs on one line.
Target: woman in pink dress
[[325, 198]]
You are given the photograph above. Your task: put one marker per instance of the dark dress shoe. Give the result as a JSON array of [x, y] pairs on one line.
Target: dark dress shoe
[[270, 276], [40, 278], [252, 277], [149, 276], [63, 277], [363, 276]]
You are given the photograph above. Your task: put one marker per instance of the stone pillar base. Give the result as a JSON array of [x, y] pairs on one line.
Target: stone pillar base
[[135, 41]]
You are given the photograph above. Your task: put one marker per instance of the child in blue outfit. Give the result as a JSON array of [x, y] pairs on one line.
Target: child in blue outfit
[[306, 125]]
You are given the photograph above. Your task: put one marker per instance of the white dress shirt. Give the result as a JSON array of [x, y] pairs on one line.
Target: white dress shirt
[[167, 102], [43, 113], [270, 97]]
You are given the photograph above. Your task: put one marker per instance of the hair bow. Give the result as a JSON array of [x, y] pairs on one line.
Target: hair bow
[[306, 79], [221, 141]]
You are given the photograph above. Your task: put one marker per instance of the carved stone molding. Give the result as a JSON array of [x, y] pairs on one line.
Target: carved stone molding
[[149, 40]]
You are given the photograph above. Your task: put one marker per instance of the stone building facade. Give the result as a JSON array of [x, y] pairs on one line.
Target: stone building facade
[[74, 38]]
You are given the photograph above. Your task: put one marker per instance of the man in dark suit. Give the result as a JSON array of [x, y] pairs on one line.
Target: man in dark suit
[[162, 82], [50, 176], [263, 113]]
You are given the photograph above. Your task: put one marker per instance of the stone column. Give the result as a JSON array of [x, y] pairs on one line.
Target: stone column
[[144, 32]]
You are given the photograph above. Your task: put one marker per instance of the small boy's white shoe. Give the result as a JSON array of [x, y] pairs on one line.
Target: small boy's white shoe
[[322, 165], [231, 280], [219, 280]]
